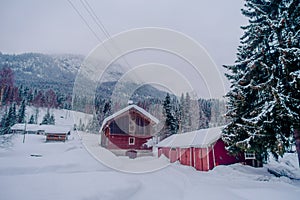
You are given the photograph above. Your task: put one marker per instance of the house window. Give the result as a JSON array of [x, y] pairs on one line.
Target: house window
[[131, 141], [249, 155], [131, 127]]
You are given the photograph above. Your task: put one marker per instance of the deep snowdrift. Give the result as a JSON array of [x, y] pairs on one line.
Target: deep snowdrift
[[39, 170]]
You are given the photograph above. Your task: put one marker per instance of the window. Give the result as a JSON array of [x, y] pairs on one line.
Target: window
[[249, 155], [131, 127], [117, 127], [131, 141]]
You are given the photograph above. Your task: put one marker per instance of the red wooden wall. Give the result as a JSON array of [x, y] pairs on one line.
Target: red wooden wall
[[117, 131], [222, 156], [122, 142], [203, 159]]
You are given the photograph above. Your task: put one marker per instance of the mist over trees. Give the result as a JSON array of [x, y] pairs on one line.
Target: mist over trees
[[183, 114]]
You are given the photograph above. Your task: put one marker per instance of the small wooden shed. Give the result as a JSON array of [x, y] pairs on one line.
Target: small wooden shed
[[126, 131], [203, 149], [56, 133]]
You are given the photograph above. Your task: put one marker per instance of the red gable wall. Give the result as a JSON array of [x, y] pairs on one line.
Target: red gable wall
[[117, 132]]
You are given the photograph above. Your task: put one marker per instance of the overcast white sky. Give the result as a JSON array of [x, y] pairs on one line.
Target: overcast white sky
[[53, 26]]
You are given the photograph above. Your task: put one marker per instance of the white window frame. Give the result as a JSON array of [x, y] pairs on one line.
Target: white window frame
[[249, 155], [131, 143]]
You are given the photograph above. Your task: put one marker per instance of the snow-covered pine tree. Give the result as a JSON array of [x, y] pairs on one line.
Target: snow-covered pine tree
[[194, 113], [81, 126], [48, 119], [188, 116], [177, 112], [171, 123], [107, 109], [21, 112], [12, 115], [182, 117], [52, 119], [36, 115], [4, 123], [93, 125], [8, 119], [31, 120], [204, 112], [264, 96]]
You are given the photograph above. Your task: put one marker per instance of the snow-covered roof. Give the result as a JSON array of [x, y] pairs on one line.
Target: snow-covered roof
[[139, 109], [46, 128], [29, 127], [49, 129], [198, 138]]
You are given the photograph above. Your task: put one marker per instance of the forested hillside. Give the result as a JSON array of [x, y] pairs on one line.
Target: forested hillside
[[46, 81]]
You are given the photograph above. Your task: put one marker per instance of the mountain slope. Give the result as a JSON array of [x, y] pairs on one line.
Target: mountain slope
[[43, 71]]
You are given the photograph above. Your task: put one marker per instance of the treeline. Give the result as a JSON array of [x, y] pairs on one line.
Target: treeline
[[188, 114], [33, 97], [179, 115], [14, 99]]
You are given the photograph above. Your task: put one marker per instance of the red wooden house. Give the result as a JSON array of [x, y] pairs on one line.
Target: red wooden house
[[126, 131], [202, 149]]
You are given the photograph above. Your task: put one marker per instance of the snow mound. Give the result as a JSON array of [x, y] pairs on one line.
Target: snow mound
[[287, 166], [121, 163], [67, 171]]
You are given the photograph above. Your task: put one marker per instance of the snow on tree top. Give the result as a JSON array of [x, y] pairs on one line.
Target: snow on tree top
[[198, 138]]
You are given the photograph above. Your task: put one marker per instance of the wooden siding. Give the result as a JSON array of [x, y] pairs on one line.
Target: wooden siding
[[202, 159], [122, 142], [56, 137], [223, 157]]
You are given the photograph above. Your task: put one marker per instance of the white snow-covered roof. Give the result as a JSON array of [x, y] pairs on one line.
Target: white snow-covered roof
[[139, 109], [46, 128], [50, 129], [29, 127], [18, 127], [198, 138]]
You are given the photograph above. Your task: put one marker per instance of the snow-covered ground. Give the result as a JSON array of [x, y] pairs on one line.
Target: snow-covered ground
[[62, 116], [39, 170]]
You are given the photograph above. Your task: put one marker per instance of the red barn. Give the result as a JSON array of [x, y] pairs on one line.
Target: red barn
[[202, 149], [127, 131]]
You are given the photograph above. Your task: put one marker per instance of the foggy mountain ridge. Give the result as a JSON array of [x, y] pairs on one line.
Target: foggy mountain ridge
[[59, 71]]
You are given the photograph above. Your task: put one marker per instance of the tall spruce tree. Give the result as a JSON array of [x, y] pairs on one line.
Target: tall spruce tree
[[93, 125], [187, 126], [12, 115], [52, 119], [4, 124], [21, 112], [265, 91], [182, 119], [171, 123], [8, 119], [31, 120]]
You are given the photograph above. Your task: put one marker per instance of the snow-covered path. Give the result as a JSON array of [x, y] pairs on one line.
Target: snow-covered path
[[39, 170]]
